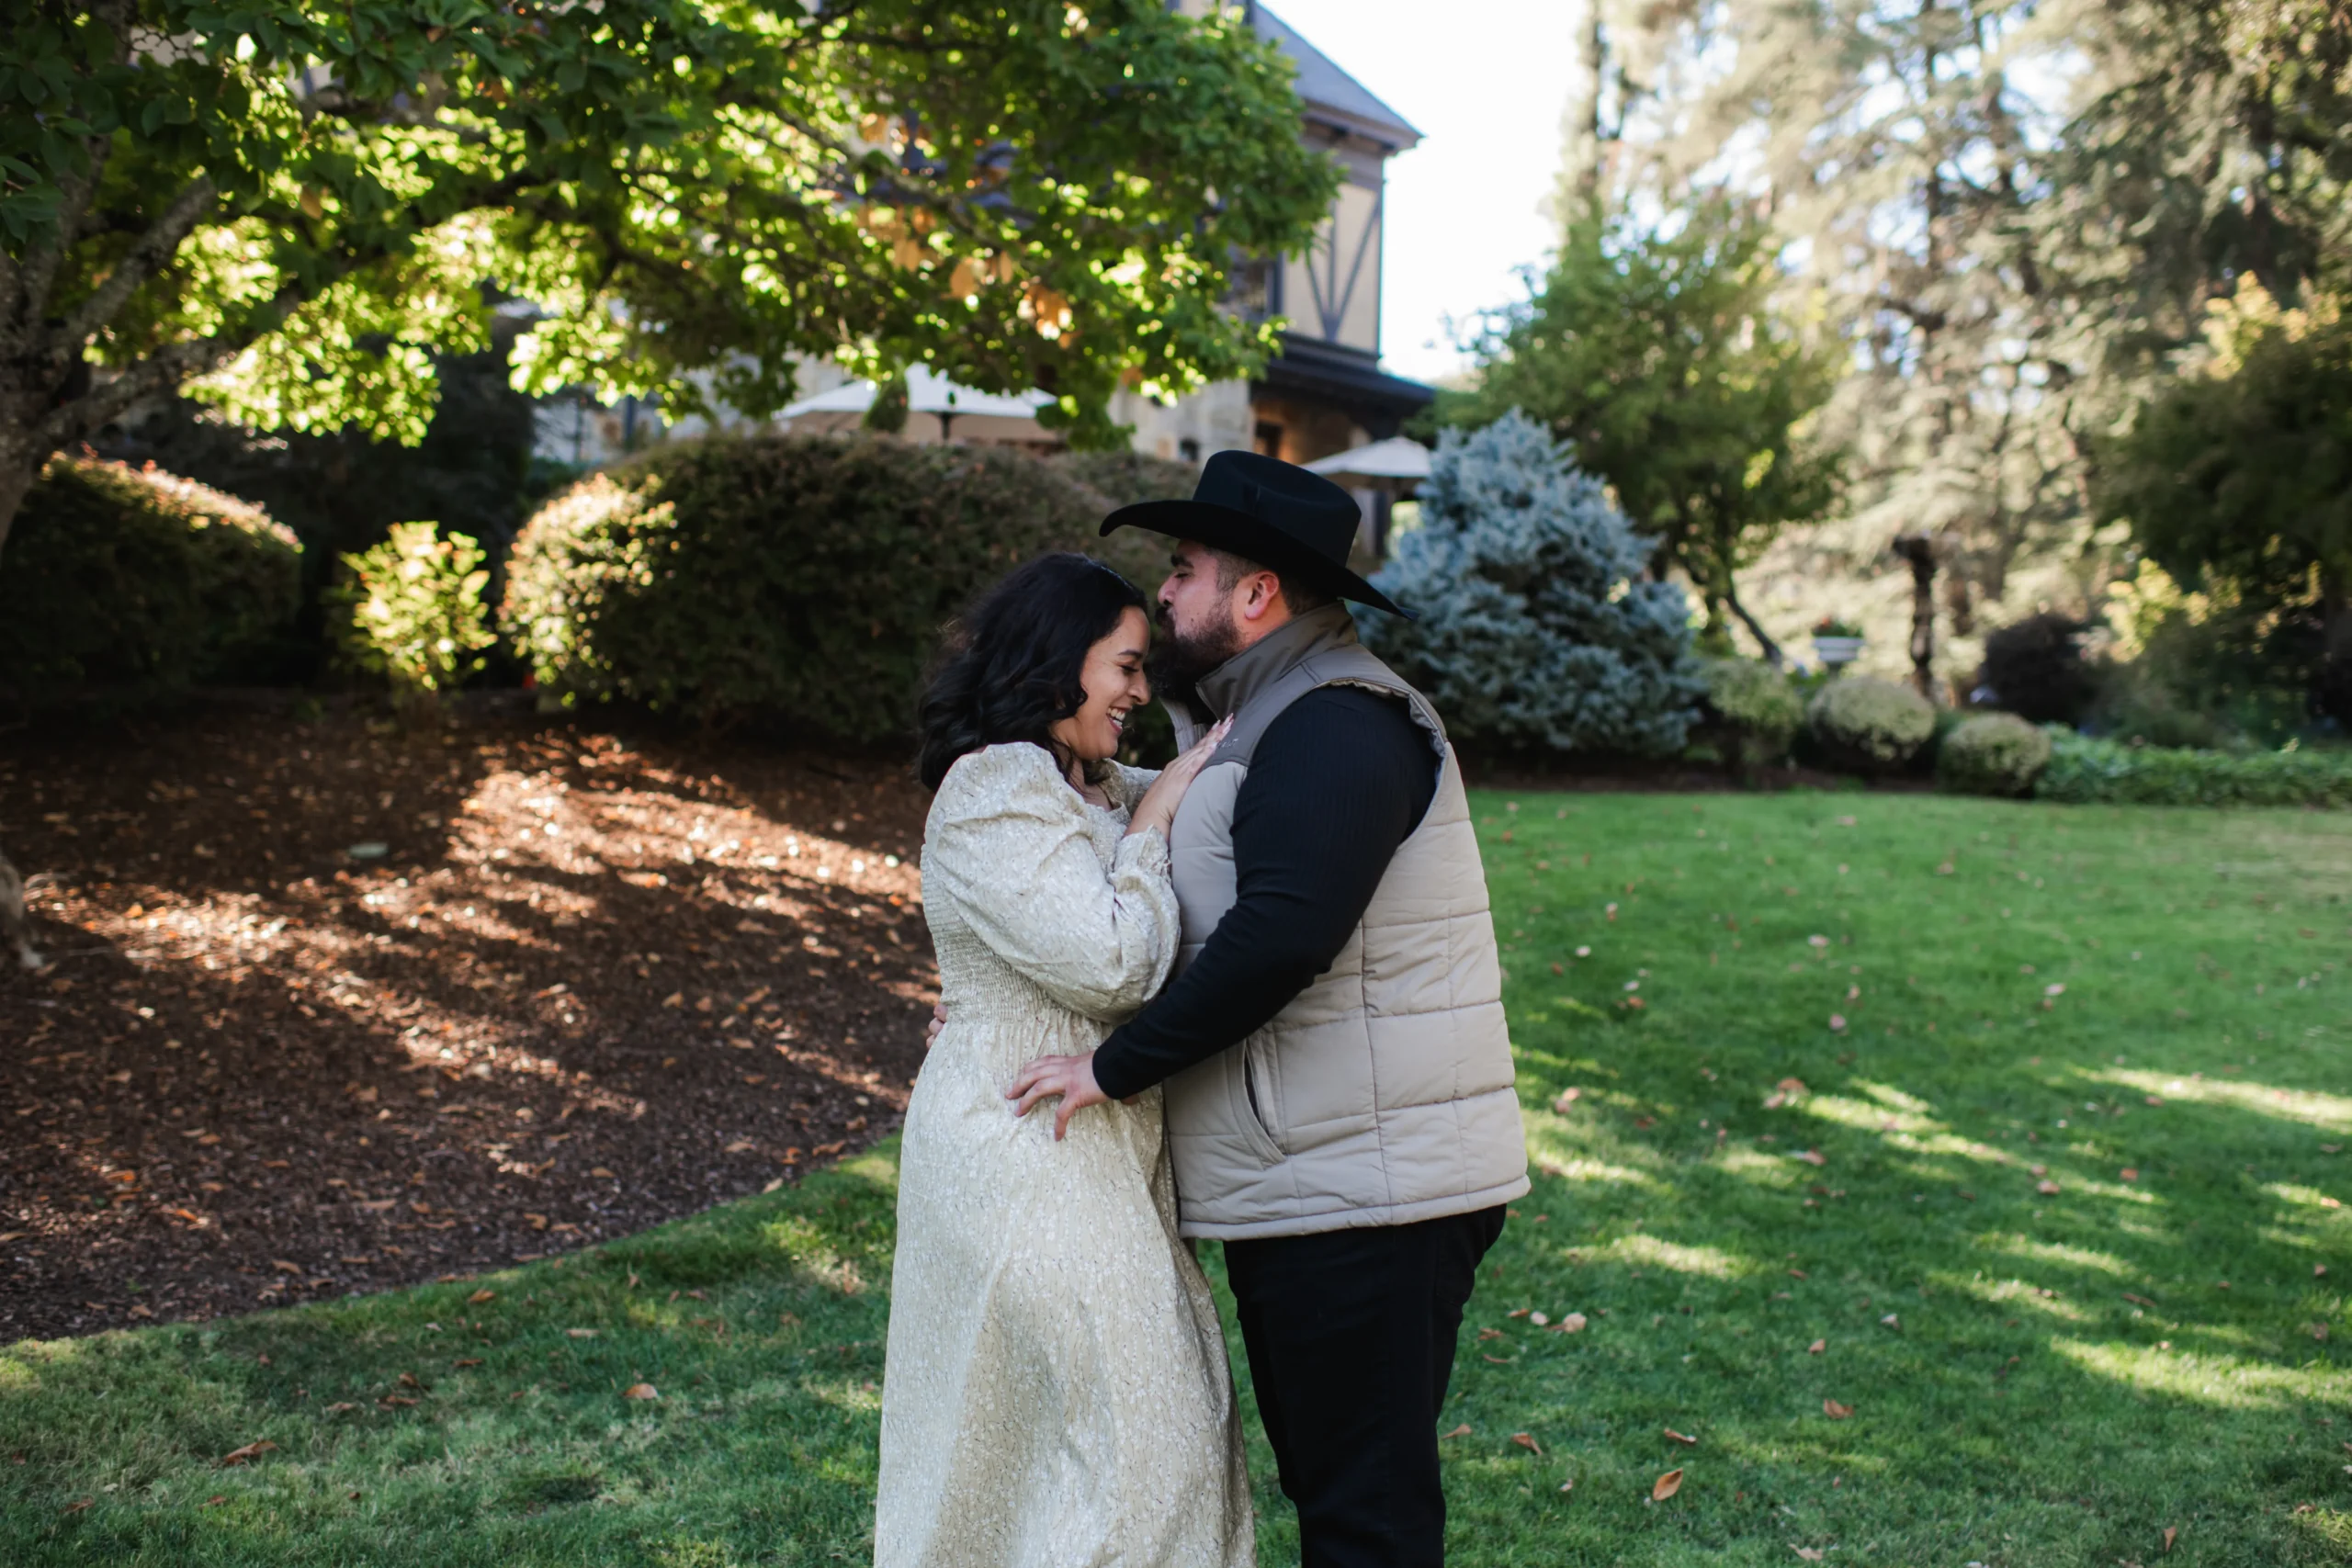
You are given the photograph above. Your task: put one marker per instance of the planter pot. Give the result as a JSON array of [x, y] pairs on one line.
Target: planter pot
[[1836, 652]]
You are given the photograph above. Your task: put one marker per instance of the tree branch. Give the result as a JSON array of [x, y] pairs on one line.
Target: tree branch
[[145, 258]]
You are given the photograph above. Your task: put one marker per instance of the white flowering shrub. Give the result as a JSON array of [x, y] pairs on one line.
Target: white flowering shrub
[[1536, 629]]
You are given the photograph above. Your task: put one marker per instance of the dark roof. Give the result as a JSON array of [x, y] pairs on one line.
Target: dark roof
[[1346, 379], [1327, 88]]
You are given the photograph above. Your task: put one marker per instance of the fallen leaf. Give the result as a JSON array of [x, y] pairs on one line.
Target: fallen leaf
[[582, 1333], [639, 1390], [393, 1402], [480, 1296], [538, 1222], [2128, 1174], [1678, 1436], [285, 1268], [599, 1171], [1837, 1020], [1572, 1324], [1461, 1431], [1567, 1097], [409, 1380], [2171, 1533], [1539, 1319], [2047, 1189], [1816, 1348], [77, 1506], [1892, 1321], [1810, 1156], [249, 1451], [1799, 1273], [339, 1407], [1666, 1487], [1809, 1553], [2141, 1301], [1836, 1411], [1529, 1443], [740, 1146], [468, 1362]]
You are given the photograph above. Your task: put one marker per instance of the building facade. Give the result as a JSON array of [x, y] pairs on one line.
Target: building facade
[[1325, 392]]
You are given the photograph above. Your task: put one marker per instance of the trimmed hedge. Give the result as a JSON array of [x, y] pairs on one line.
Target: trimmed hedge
[[793, 581], [1992, 754], [136, 581], [2084, 771], [1864, 722], [1756, 707]]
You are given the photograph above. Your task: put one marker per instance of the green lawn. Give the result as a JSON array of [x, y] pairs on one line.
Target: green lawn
[[2035, 1377]]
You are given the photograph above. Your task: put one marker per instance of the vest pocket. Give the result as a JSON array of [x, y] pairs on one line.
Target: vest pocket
[[1261, 1112]]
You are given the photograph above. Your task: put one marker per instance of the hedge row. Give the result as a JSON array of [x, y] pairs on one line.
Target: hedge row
[[2084, 771]]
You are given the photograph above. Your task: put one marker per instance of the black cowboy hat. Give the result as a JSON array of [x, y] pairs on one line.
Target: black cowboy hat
[[1295, 523]]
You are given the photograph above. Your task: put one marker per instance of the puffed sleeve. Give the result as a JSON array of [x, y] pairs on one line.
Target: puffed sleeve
[[1010, 844]]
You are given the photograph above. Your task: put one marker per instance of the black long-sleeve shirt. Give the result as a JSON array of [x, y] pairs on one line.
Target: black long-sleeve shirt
[[1337, 783]]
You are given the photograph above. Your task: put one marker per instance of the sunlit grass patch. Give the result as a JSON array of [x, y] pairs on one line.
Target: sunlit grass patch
[[1878, 1061]]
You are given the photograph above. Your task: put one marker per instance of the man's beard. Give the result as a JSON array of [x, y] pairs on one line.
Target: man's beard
[[1177, 662]]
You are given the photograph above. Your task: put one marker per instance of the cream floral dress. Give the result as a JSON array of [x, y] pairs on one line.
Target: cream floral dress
[[1055, 1394]]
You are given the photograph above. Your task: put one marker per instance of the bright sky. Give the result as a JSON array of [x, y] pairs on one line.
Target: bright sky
[[1485, 82]]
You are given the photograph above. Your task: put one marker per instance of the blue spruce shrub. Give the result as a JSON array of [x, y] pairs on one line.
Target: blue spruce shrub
[[1537, 629]]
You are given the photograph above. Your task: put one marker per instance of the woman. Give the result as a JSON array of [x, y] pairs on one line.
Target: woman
[[1057, 1389]]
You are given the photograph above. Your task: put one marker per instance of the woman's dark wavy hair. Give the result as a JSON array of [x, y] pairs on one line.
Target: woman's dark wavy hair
[[1014, 664]]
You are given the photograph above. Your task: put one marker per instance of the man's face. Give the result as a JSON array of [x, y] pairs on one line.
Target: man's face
[[1200, 628]]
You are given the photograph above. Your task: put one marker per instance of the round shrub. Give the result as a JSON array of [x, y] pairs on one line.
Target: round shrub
[[1124, 477], [133, 580], [2035, 669], [795, 580], [1869, 724], [1992, 753], [1757, 706]]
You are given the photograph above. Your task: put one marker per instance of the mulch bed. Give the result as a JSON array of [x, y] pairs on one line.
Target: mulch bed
[[334, 1007]]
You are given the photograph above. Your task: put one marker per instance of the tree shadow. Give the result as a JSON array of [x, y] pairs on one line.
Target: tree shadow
[[336, 1007]]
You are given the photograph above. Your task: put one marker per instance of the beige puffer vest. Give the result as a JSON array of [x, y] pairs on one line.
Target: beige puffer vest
[[1382, 1094]]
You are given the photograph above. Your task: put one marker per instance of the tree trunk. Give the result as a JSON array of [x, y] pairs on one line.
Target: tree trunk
[[1772, 654], [1920, 551], [20, 464]]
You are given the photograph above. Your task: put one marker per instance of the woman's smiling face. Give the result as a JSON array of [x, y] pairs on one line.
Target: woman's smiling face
[[1115, 687]]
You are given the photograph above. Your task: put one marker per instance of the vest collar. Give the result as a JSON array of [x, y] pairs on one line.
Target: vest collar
[[1229, 688]]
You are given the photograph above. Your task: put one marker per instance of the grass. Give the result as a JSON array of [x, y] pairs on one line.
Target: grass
[[2063, 1380]]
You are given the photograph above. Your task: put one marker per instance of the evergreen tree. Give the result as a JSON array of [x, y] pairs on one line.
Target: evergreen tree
[[1538, 628]]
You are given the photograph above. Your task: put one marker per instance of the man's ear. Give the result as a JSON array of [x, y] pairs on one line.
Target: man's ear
[[1264, 593]]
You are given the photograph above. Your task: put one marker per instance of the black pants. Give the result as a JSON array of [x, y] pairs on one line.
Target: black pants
[[1351, 1338]]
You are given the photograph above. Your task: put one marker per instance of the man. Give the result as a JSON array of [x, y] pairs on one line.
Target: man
[[1338, 1092]]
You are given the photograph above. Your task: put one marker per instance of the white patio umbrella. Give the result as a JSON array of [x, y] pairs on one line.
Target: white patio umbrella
[[937, 410], [1396, 466]]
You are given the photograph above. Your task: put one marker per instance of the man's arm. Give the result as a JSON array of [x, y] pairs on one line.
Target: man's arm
[[1338, 782]]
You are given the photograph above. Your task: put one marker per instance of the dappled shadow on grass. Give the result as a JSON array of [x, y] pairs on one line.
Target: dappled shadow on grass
[[580, 985], [1774, 1150]]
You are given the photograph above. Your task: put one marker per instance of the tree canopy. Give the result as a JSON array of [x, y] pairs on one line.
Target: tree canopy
[[1666, 365], [2237, 480], [2014, 212], [290, 208]]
